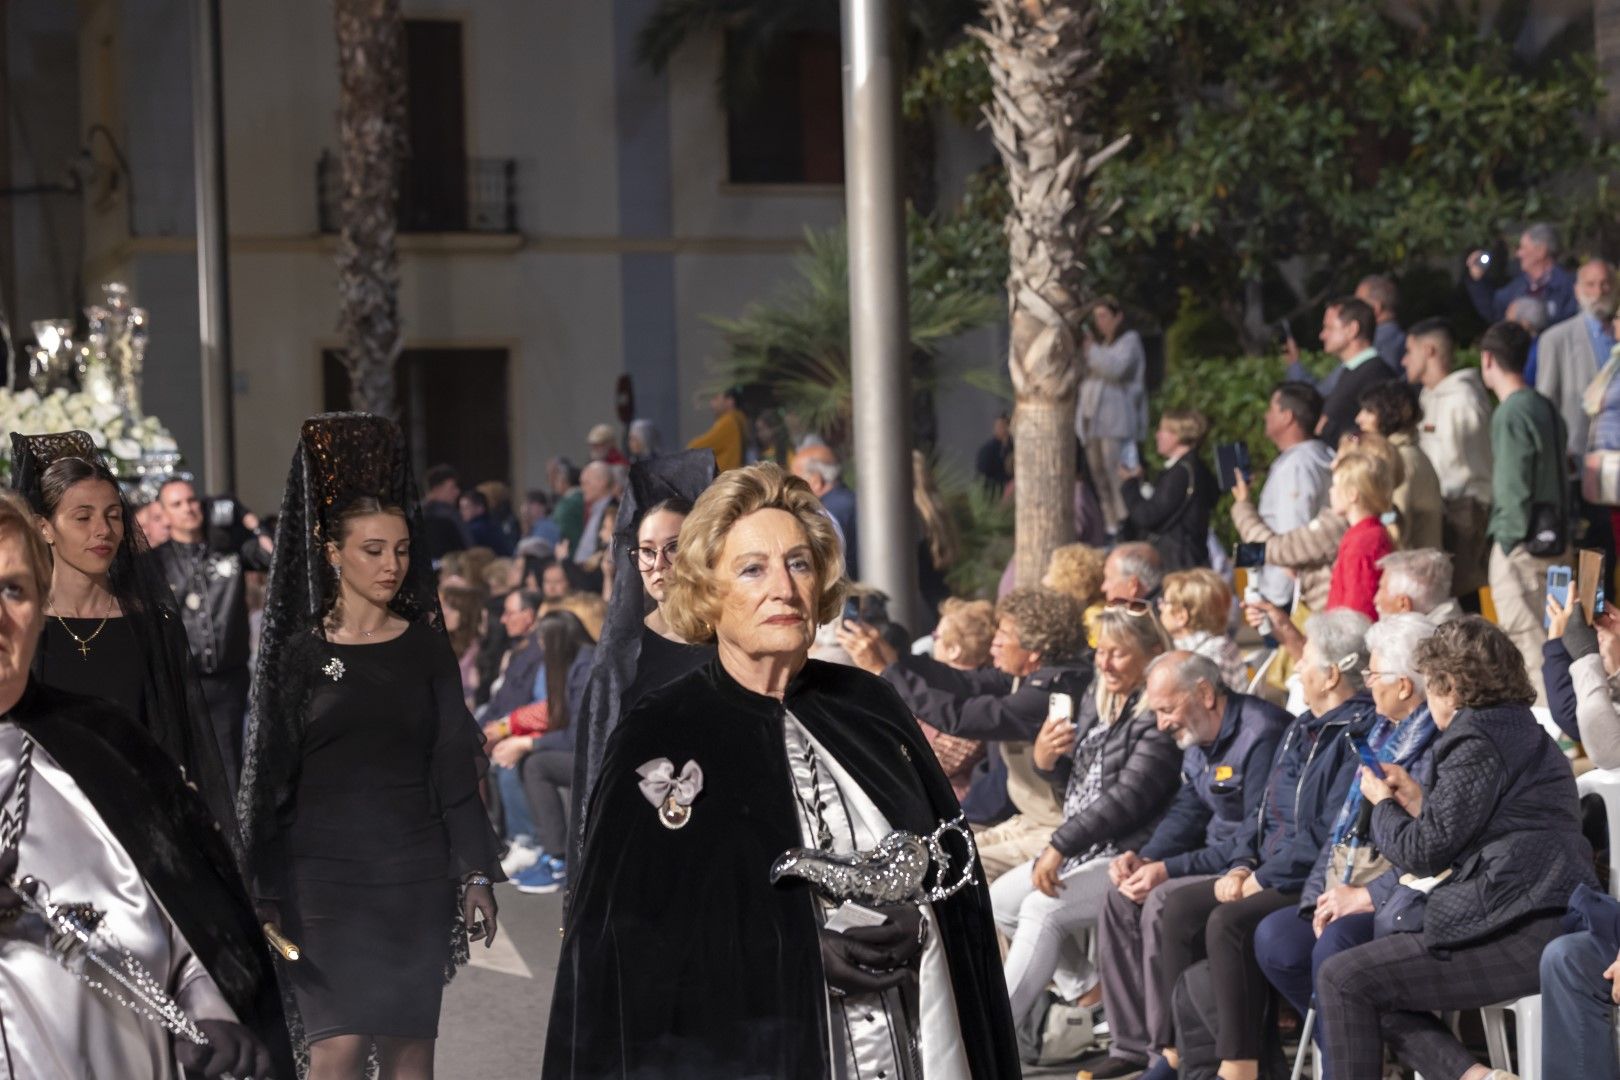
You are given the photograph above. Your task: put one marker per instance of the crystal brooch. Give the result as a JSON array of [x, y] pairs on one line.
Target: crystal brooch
[[333, 669]]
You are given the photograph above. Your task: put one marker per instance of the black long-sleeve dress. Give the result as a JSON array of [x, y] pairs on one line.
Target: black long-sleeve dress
[[382, 820]]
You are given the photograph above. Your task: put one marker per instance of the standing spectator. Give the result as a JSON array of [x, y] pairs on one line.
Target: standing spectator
[[1531, 313], [645, 443], [1379, 292], [602, 443], [1570, 356], [1391, 409], [1112, 410], [772, 439], [1296, 488], [1455, 435], [1362, 493], [729, 434], [1175, 517], [937, 545], [441, 512], [1539, 276], [153, 522], [1196, 607], [1529, 523], [1348, 328], [819, 467], [481, 526], [994, 460]]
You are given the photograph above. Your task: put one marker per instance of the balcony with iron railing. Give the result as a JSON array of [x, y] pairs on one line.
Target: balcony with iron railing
[[468, 195]]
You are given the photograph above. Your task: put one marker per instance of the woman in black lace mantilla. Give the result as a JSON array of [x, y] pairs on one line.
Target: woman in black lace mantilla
[[359, 801]]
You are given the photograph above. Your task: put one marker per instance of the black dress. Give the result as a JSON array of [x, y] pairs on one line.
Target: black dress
[[110, 666], [661, 662], [384, 820]]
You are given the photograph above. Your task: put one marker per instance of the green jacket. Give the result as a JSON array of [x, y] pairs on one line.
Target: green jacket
[[1528, 447], [569, 514]]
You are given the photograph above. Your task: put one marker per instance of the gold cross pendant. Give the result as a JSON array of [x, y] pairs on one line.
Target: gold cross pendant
[[84, 650]]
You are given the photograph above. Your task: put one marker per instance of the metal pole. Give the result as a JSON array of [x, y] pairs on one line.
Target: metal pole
[[879, 341], [213, 279]]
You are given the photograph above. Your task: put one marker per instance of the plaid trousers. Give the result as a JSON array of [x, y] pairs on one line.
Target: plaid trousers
[[1388, 990]]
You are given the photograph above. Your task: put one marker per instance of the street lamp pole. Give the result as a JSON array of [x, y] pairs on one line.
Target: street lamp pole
[[879, 356], [213, 279]]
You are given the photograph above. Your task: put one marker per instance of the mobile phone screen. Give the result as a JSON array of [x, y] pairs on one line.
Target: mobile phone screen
[[1061, 705], [1558, 578], [852, 610], [1365, 751]]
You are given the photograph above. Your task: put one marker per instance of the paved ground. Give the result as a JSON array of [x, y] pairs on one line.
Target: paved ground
[[494, 1022]]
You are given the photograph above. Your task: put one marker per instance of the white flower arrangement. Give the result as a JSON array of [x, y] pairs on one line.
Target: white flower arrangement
[[126, 438]]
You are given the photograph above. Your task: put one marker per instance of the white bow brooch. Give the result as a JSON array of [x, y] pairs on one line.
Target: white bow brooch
[[671, 795]]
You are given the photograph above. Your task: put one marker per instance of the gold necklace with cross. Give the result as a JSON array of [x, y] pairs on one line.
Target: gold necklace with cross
[[84, 642]]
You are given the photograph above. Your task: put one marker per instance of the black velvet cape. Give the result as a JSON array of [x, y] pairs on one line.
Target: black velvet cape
[[680, 958], [175, 842]]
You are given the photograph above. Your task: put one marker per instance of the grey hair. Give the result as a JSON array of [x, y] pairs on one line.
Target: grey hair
[[1187, 670], [1340, 640], [1423, 574], [1140, 561], [827, 472], [1395, 639], [648, 431], [1544, 234], [1529, 312]]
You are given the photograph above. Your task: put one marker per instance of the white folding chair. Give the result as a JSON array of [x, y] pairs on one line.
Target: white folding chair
[[1526, 1024], [1605, 784]]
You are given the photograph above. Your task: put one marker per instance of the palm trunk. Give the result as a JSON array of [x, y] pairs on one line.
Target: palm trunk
[[1041, 67], [371, 136]]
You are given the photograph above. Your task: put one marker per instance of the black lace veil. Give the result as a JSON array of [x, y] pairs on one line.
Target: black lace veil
[[340, 457], [176, 713], [683, 475]]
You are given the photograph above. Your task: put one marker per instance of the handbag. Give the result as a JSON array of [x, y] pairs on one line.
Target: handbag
[[1549, 526], [1364, 862]]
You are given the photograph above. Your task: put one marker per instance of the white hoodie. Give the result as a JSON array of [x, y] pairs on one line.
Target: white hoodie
[[1456, 435]]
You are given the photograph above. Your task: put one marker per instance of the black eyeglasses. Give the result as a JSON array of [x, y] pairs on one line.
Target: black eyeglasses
[[647, 557]]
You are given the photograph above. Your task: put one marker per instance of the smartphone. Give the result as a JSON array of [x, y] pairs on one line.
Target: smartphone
[[1249, 556], [1230, 459], [1484, 258], [1061, 706], [852, 610], [1285, 331], [1558, 578], [1130, 457], [1252, 596], [1365, 751]]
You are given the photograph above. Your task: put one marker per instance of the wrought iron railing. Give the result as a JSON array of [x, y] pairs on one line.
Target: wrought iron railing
[[466, 195]]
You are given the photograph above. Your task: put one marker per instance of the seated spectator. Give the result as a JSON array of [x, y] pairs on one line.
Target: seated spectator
[[510, 688], [503, 575], [535, 520], [1132, 571], [1227, 742], [499, 497], [1307, 551], [1078, 570], [1391, 409], [589, 608], [1361, 494], [1351, 880], [553, 583], [568, 510], [1038, 649], [1217, 918], [1581, 662], [540, 749], [1580, 986], [1418, 582], [819, 467], [1174, 518], [1118, 772], [961, 641], [464, 616], [602, 444], [1501, 827], [1196, 608]]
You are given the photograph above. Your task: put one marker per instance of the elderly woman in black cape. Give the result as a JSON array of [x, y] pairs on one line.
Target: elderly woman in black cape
[[112, 629], [96, 818], [681, 957]]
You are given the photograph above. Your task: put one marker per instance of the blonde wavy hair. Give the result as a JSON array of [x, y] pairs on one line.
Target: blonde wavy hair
[[1203, 594], [694, 595], [970, 624], [1077, 569]]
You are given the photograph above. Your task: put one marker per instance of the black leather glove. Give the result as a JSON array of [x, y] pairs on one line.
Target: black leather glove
[[10, 902], [868, 959], [231, 1049], [1580, 638]]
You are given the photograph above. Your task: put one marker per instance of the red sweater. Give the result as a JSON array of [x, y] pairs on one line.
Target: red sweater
[[1355, 571]]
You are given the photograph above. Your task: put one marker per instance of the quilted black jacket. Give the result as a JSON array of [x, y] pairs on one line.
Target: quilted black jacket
[[1503, 816]]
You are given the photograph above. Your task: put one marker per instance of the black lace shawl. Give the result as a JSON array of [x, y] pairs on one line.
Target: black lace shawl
[[684, 475], [176, 713], [340, 457]]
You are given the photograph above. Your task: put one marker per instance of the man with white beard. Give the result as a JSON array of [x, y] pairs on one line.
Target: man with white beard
[[1573, 351]]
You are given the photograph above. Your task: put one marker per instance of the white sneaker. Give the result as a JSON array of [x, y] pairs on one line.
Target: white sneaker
[[519, 856]]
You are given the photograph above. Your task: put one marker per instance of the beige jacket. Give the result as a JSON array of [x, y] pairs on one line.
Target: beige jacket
[[1308, 550], [1595, 711], [1418, 500]]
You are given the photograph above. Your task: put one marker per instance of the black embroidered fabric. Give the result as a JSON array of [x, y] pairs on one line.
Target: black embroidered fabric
[[176, 715], [684, 475], [340, 457]]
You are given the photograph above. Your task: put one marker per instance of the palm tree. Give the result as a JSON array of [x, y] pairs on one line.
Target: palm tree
[[1042, 70], [372, 141]]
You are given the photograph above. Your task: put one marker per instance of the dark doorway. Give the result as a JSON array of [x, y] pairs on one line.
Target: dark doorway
[[452, 407], [433, 191]]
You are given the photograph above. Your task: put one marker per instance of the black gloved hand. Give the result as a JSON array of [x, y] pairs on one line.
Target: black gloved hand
[[10, 902], [231, 1049], [1579, 638], [868, 959]]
